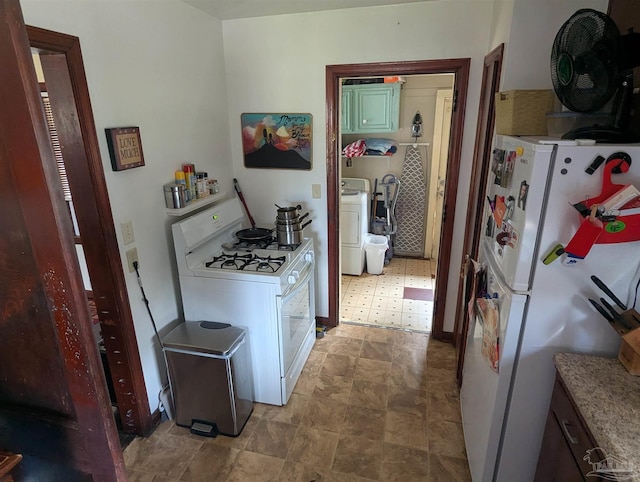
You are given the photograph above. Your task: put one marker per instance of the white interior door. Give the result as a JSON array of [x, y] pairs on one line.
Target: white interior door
[[438, 173]]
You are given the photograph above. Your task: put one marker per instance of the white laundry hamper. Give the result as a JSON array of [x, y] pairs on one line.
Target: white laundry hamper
[[374, 247]]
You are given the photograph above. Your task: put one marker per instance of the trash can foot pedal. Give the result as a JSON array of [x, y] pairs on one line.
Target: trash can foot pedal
[[205, 429]]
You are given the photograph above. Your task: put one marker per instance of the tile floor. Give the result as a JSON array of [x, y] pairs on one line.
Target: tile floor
[[400, 297], [371, 404]]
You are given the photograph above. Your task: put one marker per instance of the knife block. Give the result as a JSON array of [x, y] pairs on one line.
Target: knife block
[[629, 354]]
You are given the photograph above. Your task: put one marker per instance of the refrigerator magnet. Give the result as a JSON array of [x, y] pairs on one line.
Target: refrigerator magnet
[[500, 210], [509, 166], [508, 236], [522, 195], [498, 166], [503, 238], [514, 237], [510, 204], [490, 227], [553, 254]]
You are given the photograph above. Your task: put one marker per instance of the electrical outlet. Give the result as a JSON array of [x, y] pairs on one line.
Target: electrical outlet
[[127, 232], [132, 257], [316, 191]]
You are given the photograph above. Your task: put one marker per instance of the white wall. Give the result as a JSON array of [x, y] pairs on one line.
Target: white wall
[[158, 65], [501, 24], [533, 28], [277, 64]]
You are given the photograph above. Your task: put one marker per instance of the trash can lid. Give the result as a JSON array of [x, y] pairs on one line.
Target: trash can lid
[[204, 337]]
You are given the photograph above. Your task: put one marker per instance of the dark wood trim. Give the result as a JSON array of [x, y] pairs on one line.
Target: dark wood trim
[[323, 321], [332, 86], [479, 172], [447, 336], [459, 67], [59, 391], [86, 177], [155, 417]]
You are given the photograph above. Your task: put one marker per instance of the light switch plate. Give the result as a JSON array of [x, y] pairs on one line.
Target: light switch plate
[[127, 232], [316, 191]]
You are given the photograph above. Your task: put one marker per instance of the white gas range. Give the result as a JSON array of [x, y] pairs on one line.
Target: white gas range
[[267, 289]]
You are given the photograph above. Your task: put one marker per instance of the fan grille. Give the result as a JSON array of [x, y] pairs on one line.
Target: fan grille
[[584, 67]]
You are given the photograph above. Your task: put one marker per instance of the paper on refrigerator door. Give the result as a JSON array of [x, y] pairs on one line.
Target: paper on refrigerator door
[[490, 315], [473, 271]]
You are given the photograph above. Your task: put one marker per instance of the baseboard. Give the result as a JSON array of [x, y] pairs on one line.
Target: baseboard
[[155, 417], [447, 336], [324, 321]]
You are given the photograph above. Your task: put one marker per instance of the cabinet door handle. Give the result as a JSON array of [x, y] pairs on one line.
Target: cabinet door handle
[[565, 429]]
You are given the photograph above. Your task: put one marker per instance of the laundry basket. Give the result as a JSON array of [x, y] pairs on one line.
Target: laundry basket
[[374, 247]]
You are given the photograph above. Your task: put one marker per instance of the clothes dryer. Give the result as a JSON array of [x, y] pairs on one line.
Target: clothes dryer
[[354, 223]]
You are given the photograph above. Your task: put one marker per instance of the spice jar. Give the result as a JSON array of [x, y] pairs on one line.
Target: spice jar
[[202, 185]]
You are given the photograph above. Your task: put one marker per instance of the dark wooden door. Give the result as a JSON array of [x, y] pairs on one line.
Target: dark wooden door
[[480, 169], [53, 398]]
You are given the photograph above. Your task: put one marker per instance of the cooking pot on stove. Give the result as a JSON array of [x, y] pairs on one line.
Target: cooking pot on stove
[[294, 222], [291, 212], [289, 235]]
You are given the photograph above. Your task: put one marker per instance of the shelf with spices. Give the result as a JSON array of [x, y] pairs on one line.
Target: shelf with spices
[[196, 204]]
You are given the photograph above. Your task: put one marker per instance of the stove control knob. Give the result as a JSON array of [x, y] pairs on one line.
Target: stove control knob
[[308, 256], [293, 277]]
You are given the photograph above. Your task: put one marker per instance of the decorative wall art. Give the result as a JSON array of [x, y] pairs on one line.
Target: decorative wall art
[[277, 141], [125, 147]]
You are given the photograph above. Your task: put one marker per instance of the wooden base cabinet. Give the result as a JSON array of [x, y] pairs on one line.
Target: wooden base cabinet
[[565, 442]]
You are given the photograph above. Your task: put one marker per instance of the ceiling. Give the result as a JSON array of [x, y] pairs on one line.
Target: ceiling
[[232, 9]]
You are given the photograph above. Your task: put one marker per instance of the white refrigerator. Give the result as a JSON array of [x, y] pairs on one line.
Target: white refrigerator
[[537, 309]]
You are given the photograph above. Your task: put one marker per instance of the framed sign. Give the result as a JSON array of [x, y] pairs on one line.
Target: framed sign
[[125, 147], [278, 141]]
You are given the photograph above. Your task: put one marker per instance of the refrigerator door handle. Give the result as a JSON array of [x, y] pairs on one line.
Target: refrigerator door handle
[[499, 277]]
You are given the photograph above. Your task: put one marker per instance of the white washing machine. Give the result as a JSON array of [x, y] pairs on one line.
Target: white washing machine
[[354, 223]]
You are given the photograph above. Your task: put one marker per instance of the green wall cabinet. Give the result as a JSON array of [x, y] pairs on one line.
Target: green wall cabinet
[[347, 107], [370, 108]]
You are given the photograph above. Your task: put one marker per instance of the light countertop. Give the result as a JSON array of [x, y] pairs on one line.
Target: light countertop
[[608, 398]]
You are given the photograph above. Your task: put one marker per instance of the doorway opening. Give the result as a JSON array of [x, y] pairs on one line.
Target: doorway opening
[[96, 245], [335, 74], [413, 170]]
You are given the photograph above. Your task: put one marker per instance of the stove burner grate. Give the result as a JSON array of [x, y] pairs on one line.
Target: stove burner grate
[[246, 262], [229, 261], [267, 264], [269, 243]]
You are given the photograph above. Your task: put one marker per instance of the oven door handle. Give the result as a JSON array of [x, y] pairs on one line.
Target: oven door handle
[[301, 281]]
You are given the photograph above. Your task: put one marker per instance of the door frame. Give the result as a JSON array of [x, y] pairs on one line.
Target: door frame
[[334, 74], [87, 182], [435, 165], [479, 171]]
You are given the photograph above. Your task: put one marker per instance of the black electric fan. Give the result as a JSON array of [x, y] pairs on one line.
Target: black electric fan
[[591, 63]]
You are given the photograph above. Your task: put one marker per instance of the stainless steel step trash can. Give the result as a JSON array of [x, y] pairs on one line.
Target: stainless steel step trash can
[[210, 377]]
